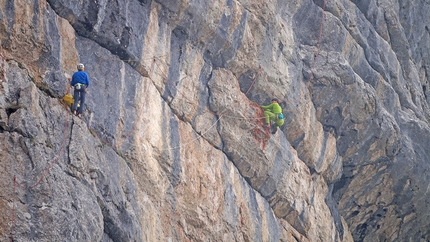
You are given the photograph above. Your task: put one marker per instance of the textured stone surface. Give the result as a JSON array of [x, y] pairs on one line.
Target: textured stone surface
[[171, 147]]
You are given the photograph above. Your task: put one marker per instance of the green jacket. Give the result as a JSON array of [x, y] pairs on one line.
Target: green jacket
[[273, 107]]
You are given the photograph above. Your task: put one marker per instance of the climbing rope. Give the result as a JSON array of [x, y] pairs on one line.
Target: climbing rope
[[12, 226], [45, 172], [171, 83], [154, 58], [3, 60], [162, 74]]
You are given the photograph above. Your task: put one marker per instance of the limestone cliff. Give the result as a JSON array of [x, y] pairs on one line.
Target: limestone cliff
[[171, 146]]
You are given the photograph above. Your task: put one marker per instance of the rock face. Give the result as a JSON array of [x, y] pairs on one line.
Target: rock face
[[171, 146]]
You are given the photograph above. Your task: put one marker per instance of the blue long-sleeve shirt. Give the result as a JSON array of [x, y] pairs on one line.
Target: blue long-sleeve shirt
[[80, 77]]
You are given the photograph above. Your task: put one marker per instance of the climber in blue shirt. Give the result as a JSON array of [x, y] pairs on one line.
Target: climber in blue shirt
[[80, 82]]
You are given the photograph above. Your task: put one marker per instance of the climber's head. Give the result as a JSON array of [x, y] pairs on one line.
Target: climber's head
[[80, 67]]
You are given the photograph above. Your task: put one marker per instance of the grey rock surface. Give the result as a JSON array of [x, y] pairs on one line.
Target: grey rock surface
[[171, 146]]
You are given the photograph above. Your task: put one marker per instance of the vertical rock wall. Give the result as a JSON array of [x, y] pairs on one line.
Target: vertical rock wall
[[171, 147]]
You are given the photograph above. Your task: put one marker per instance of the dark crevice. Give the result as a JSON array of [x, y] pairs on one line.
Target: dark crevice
[[12, 109], [85, 30], [143, 2], [22, 133], [46, 90], [70, 141], [334, 211]]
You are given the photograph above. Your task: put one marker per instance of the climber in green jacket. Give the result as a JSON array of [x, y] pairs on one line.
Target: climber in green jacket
[[273, 112]]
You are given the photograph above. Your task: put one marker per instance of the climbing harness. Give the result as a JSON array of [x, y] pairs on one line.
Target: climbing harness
[[78, 86]]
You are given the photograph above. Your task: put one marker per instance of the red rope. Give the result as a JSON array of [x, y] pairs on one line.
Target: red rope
[[52, 163], [3, 60], [164, 75], [255, 78], [16, 183], [170, 82], [13, 210]]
